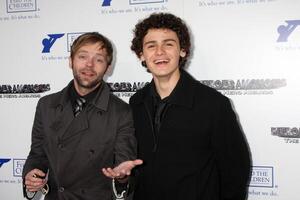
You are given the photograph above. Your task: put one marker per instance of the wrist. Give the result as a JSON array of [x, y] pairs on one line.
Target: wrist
[[123, 179]]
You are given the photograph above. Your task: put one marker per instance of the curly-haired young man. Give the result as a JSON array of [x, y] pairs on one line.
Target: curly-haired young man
[[188, 136]]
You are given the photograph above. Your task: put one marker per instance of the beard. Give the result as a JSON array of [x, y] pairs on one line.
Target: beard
[[87, 84]]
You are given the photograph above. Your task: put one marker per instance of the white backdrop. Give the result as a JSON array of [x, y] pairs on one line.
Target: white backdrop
[[248, 50]]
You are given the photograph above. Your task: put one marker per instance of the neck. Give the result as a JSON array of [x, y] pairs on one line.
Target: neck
[[165, 85]]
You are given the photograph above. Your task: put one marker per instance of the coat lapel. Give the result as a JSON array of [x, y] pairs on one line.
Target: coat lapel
[[183, 93], [76, 126], [63, 119], [65, 125]]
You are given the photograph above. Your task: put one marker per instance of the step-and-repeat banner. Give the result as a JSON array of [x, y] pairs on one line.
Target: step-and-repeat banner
[[248, 50]]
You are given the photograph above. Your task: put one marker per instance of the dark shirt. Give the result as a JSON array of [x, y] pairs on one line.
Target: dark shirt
[[159, 107], [88, 97]]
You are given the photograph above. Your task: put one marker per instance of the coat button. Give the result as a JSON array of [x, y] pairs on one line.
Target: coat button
[[61, 189], [92, 151], [61, 146]]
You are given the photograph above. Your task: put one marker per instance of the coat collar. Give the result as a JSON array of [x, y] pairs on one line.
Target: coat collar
[[100, 101], [183, 93], [65, 124]]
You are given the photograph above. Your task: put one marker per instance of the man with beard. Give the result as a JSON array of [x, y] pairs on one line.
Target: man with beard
[[81, 130]]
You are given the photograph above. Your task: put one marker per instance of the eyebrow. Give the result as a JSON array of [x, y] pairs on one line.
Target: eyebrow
[[84, 51], [166, 40], [81, 51]]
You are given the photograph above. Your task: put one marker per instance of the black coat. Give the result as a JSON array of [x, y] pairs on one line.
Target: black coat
[[199, 153], [74, 150]]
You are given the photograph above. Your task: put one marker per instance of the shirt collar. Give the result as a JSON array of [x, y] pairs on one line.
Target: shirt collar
[[182, 94], [88, 97]]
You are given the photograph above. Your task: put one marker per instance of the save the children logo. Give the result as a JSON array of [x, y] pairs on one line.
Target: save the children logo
[[133, 2], [49, 41], [12, 172], [286, 30], [106, 2], [13, 6], [132, 6], [262, 182], [18, 165], [17, 10], [55, 43], [288, 38], [3, 161], [262, 176]]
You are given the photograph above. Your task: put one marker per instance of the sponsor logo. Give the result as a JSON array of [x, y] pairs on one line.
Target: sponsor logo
[[289, 134], [106, 3], [126, 86], [13, 6], [134, 2], [26, 88], [71, 37], [246, 86], [126, 89], [13, 172], [286, 30], [23, 90], [262, 176], [3, 161], [58, 39], [215, 3], [18, 165], [287, 39], [133, 6], [48, 42]]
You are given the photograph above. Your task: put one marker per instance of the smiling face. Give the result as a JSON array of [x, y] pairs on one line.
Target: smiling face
[[89, 65], [161, 52]]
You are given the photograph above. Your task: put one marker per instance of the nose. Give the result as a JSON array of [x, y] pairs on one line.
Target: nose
[[159, 50], [89, 61]]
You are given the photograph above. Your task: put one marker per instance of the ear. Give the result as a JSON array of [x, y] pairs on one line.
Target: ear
[[142, 58], [182, 53], [108, 69], [70, 63]]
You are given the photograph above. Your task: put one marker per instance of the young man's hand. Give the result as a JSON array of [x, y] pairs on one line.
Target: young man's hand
[[122, 170]]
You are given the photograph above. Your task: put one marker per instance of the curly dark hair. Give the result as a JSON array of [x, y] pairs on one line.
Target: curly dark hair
[[162, 21], [91, 38]]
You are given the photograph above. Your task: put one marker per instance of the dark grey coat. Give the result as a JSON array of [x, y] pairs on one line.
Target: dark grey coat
[[199, 153], [74, 150]]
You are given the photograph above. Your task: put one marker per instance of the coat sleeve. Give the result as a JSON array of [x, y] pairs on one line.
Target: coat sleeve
[[232, 153], [36, 158], [125, 146]]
